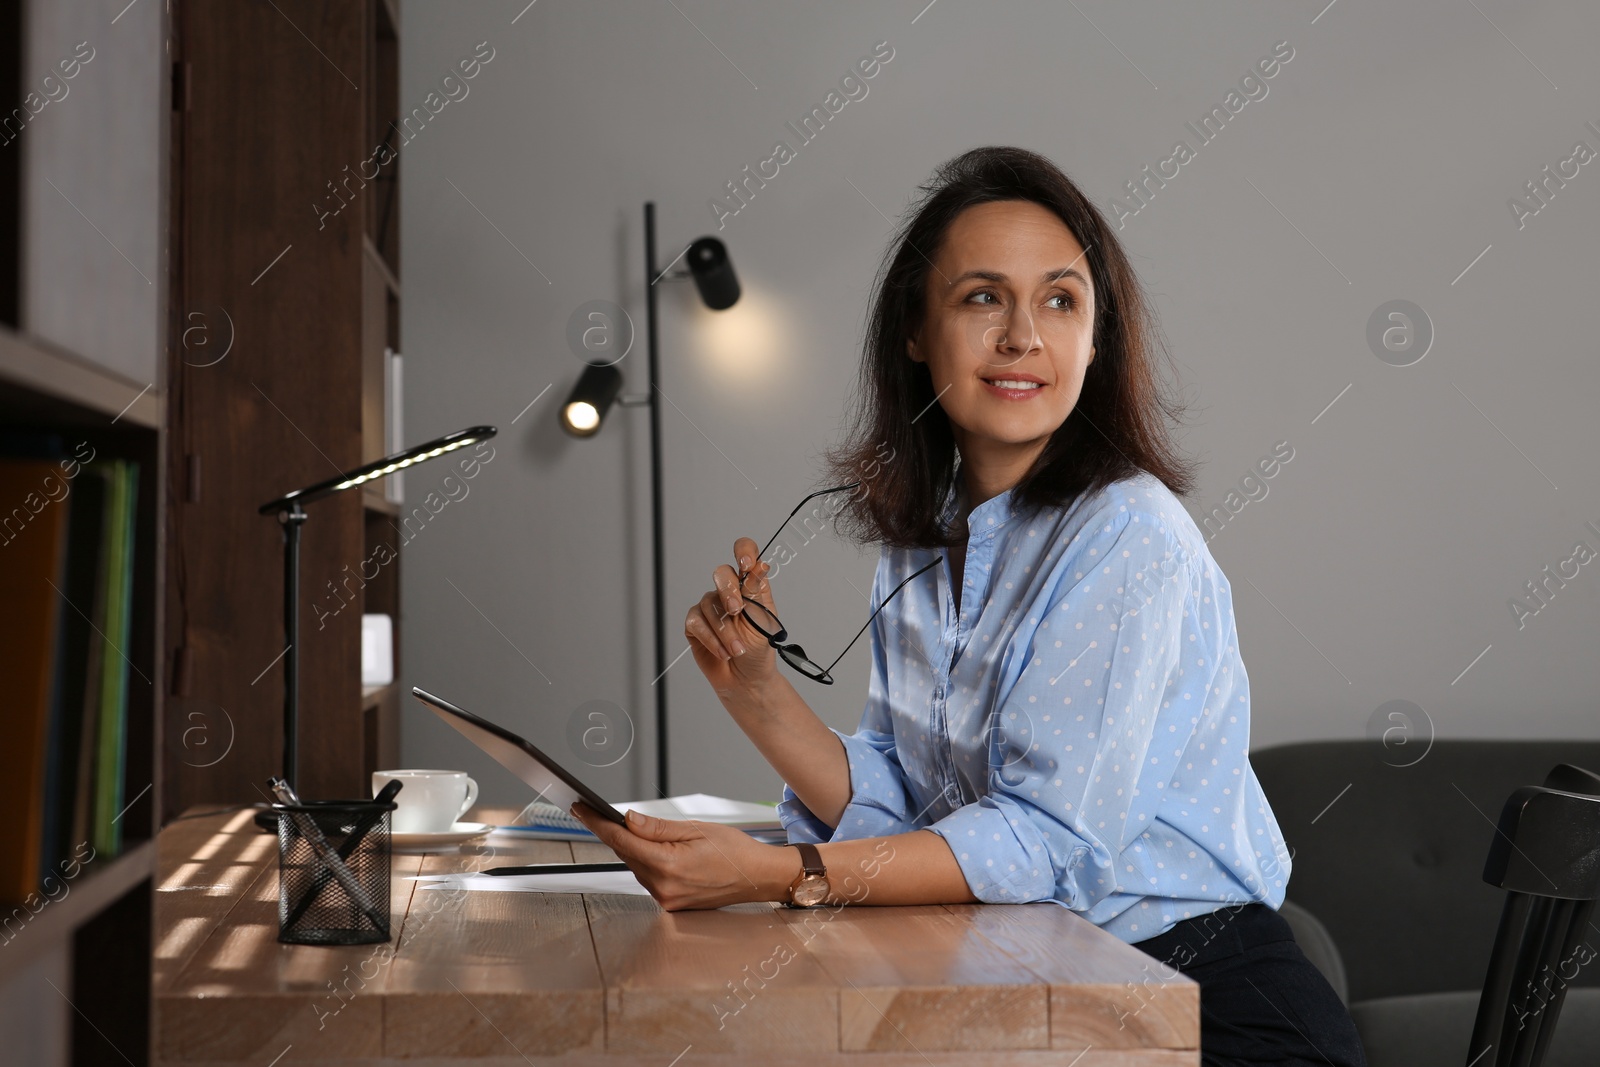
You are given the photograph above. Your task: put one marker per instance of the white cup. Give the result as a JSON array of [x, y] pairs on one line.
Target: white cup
[[428, 801]]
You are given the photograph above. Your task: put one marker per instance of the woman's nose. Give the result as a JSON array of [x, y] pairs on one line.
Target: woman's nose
[[1017, 334]]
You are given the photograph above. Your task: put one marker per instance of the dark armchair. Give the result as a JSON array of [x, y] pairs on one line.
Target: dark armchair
[[1387, 885]]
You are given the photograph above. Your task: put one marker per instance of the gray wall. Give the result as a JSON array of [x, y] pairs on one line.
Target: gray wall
[[1378, 566]]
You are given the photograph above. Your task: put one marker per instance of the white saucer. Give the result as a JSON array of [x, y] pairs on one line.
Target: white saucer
[[438, 841]]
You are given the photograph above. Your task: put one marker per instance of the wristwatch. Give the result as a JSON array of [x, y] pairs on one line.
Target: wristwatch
[[810, 886]]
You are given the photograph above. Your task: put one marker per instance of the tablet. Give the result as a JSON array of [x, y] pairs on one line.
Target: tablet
[[520, 757]]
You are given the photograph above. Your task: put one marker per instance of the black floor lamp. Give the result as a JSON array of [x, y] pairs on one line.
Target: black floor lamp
[[598, 388], [292, 515]]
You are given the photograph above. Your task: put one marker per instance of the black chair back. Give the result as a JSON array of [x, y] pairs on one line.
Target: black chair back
[[1388, 846], [1546, 856]]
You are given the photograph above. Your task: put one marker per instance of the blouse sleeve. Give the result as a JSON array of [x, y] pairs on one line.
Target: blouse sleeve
[[880, 802], [1075, 729]]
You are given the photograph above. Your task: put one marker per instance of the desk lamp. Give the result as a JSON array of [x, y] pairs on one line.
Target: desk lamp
[[290, 513]]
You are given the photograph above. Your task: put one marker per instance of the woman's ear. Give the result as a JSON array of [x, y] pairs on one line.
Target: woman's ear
[[911, 350]]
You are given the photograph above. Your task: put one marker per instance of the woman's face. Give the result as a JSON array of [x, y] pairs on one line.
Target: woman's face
[[1007, 334]]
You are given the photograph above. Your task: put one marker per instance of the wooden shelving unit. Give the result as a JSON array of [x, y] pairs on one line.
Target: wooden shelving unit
[[373, 500], [52, 373], [88, 895], [62, 386], [46, 390], [302, 395], [380, 286], [89, 922], [313, 302]]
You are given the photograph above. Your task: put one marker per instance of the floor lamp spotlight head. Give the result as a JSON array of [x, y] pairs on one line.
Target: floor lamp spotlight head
[[713, 273], [590, 399]]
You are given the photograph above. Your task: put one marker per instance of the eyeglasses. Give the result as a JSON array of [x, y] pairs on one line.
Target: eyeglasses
[[768, 625]]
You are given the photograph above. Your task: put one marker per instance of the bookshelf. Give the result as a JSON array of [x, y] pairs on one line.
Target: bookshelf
[[48, 393], [83, 328], [297, 314], [302, 394]]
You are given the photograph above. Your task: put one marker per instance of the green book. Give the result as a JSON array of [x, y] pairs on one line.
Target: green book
[[111, 739]]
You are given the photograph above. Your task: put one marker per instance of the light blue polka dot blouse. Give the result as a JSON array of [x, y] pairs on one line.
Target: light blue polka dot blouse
[[1078, 729]]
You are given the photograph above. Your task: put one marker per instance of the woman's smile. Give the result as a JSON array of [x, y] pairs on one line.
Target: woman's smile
[[1015, 387]]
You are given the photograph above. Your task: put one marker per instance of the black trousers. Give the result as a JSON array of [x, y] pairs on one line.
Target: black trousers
[[1261, 1000]]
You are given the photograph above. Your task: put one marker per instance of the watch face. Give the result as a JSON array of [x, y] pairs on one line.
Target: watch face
[[812, 890]]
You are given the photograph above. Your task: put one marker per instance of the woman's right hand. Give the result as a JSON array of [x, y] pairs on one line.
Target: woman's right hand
[[732, 654]]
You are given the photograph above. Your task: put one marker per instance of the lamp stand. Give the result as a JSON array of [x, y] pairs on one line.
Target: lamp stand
[[658, 565], [292, 520]]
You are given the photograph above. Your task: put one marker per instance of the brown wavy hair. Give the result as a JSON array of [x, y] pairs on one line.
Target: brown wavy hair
[[1118, 427]]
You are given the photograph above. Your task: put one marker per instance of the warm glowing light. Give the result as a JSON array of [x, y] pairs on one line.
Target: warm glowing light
[[212, 846], [743, 346], [179, 877], [582, 417], [184, 935], [237, 822], [258, 847]]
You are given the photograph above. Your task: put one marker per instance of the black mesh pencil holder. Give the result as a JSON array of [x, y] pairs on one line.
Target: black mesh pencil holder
[[317, 904]]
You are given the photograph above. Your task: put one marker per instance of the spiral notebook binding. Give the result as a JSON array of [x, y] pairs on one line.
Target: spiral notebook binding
[[545, 817]]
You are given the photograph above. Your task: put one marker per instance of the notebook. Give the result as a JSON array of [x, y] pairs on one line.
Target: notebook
[[542, 820]]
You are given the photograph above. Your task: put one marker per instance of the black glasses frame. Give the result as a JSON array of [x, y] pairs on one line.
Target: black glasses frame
[[777, 634]]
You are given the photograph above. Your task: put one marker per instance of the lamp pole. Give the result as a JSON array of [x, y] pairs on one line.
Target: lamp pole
[[658, 565], [292, 519], [597, 389]]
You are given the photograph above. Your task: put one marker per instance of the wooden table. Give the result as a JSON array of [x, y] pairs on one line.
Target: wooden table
[[601, 979]]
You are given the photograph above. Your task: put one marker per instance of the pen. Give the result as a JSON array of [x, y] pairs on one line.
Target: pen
[[347, 849], [325, 852], [558, 868]]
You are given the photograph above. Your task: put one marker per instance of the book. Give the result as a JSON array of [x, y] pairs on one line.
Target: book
[[543, 820], [77, 642], [82, 808], [106, 831], [33, 549]]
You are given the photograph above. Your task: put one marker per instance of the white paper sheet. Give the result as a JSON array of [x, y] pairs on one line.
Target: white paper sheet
[[593, 882], [706, 808]]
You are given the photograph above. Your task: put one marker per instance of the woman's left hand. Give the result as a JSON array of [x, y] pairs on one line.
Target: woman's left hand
[[687, 865]]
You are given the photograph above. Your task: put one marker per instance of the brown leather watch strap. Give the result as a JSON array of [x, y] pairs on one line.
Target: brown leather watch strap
[[810, 858]]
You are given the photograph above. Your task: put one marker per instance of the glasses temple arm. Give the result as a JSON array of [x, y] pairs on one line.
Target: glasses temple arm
[[796, 511], [876, 610]]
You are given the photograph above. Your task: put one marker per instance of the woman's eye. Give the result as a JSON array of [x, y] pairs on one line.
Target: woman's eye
[[1068, 306], [981, 293]]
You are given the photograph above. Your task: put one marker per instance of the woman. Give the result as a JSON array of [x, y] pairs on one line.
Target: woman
[[1057, 707]]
